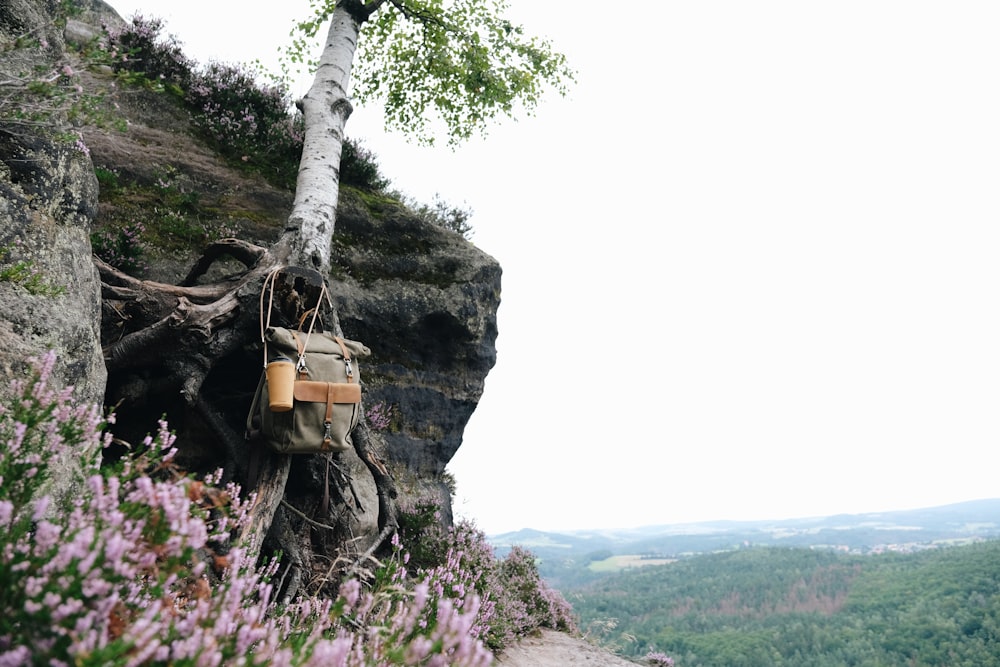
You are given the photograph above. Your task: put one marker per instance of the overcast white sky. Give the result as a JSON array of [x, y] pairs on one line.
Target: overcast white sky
[[750, 265]]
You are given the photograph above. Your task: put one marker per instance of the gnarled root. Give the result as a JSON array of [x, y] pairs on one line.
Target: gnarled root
[[167, 339]]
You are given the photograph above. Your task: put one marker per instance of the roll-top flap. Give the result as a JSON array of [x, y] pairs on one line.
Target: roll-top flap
[[321, 392], [319, 343]]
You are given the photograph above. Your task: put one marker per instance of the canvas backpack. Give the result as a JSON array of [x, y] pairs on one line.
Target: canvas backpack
[[326, 388]]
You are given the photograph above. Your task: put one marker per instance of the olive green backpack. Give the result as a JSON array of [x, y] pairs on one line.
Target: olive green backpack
[[326, 389]]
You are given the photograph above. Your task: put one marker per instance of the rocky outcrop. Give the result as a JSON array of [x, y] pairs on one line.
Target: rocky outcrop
[[49, 289], [425, 301], [423, 298], [50, 294], [48, 197]]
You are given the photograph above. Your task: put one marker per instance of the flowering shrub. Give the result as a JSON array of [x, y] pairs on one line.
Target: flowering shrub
[[139, 49], [423, 533], [122, 248], [543, 606], [514, 600], [359, 167], [139, 568], [48, 98], [379, 416], [444, 215], [657, 659], [79, 144], [38, 422], [247, 121]]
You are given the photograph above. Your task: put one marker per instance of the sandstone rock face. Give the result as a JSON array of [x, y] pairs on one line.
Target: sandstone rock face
[[49, 291], [48, 200], [425, 300], [48, 197], [24, 17]]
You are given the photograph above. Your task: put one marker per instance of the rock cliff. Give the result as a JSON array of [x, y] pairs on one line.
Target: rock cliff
[[49, 291], [426, 299], [420, 296]]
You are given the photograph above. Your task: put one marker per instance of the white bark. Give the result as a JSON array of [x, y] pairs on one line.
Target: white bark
[[325, 109], [309, 232]]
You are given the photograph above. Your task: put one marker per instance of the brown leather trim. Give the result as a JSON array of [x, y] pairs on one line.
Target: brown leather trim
[[318, 392], [298, 344], [343, 348], [330, 400]]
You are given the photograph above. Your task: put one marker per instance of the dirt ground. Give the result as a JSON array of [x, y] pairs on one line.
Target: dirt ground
[[558, 649]]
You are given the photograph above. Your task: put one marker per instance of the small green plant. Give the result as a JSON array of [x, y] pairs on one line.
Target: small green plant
[[175, 192], [24, 273], [122, 247], [107, 179], [179, 227], [422, 532], [359, 167], [448, 479], [443, 214]]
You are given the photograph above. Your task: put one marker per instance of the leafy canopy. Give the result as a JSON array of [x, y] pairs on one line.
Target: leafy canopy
[[458, 61]]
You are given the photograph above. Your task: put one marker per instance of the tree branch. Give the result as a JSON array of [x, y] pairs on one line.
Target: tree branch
[[302, 515], [142, 346], [422, 16], [383, 535], [366, 9]]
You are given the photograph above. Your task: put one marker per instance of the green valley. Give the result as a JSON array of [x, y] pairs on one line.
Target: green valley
[[802, 607]]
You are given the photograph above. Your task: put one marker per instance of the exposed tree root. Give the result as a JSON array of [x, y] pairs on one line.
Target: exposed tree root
[[175, 335], [246, 253]]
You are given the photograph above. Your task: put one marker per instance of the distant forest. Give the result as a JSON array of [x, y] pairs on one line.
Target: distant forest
[[800, 607]]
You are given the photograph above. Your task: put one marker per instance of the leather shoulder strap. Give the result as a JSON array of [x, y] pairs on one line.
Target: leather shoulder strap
[[347, 359]]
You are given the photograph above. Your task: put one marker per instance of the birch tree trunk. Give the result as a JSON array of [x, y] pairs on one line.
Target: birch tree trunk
[[306, 242], [184, 331], [325, 109]]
